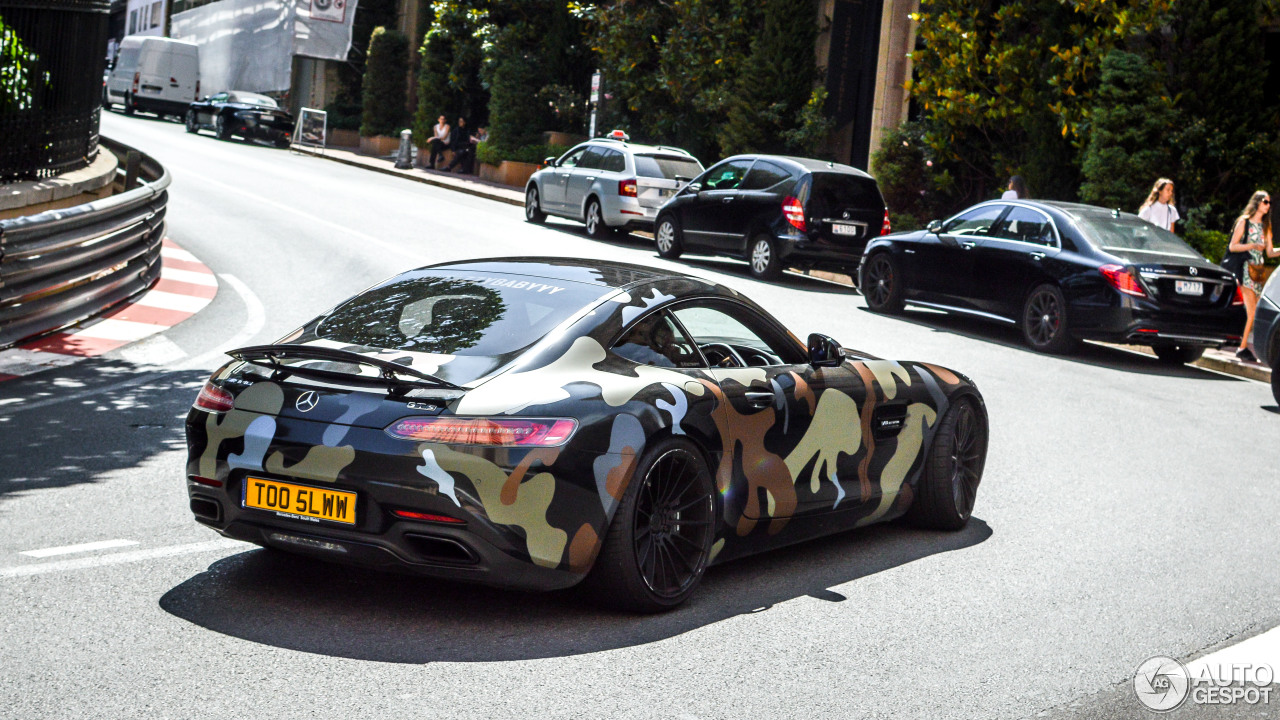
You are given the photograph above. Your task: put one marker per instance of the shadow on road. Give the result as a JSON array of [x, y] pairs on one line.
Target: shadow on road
[[290, 602]]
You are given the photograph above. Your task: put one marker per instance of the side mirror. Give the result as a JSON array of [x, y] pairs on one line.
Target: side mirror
[[934, 226], [824, 351], [694, 187], [550, 162]]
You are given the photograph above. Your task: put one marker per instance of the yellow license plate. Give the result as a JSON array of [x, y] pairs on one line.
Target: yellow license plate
[[300, 500]]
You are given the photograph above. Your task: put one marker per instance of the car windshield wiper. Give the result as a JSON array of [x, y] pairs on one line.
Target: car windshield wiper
[[396, 374]]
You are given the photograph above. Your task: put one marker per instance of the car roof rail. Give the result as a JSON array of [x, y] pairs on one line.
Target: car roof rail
[[673, 149]]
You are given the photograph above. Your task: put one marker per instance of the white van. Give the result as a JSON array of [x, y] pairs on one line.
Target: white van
[[154, 74]]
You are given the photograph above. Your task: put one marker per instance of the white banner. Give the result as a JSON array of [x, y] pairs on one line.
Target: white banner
[[323, 28]]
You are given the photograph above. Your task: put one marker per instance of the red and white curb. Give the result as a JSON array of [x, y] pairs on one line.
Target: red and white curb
[[186, 286]]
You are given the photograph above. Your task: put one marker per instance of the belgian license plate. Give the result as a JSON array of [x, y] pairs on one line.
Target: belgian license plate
[[300, 500], [1188, 287], [666, 192], [840, 229]]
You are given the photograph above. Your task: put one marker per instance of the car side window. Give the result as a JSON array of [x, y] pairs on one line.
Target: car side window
[[614, 161], [764, 175], [975, 222], [591, 160], [726, 176], [1026, 225], [656, 340], [220, 97], [732, 336], [571, 158]]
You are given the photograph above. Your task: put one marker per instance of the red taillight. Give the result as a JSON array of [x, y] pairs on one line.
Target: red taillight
[[885, 229], [794, 211], [510, 432], [136, 77], [1122, 280], [429, 517], [213, 399], [627, 188], [205, 481], [1239, 298]]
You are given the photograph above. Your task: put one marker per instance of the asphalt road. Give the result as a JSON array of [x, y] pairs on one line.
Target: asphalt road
[[1127, 510]]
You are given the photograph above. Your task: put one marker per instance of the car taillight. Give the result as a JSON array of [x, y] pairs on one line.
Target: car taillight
[[1239, 298], [1122, 280], [136, 77], [213, 399], [794, 212], [627, 188], [885, 229], [501, 432]]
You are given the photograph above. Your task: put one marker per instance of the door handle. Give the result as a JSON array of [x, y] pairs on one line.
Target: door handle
[[967, 245], [728, 199], [909, 252], [759, 399], [1037, 256], [590, 179]]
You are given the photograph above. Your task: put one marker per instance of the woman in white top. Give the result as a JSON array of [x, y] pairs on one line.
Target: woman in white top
[[1016, 190], [439, 141], [1158, 208]]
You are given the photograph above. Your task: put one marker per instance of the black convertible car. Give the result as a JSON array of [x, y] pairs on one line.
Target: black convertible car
[[248, 115], [1061, 272], [541, 422]]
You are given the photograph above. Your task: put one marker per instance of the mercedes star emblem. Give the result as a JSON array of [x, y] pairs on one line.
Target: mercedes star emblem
[[306, 401], [1193, 271], [846, 215]]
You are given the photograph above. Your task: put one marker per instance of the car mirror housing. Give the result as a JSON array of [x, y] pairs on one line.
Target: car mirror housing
[[550, 162], [934, 226], [694, 187], [824, 351]]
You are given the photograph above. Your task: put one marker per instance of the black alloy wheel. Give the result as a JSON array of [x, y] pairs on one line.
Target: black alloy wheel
[[1175, 354], [763, 256], [667, 237], [882, 284], [532, 209], [597, 229], [660, 541], [221, 128], [191, 121], [1044, 321], [948, 487], [1275, 380]]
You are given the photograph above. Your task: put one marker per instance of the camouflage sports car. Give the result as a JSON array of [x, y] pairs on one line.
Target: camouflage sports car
[[544, 422]]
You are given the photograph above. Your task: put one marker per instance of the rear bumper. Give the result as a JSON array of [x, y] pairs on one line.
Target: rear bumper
[[627, 212], [802, 251], [1141, 326]]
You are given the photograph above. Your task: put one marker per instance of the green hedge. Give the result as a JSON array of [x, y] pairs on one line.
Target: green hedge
[[492, 154], [1210, 243], [383, 111]]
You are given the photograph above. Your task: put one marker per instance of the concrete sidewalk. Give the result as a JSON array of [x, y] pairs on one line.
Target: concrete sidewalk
[[1222, 361]]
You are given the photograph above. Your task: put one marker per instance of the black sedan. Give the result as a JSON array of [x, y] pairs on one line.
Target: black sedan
[[775, 212], [1061, 272], [245, 114], [1266, 331], [541, 422]]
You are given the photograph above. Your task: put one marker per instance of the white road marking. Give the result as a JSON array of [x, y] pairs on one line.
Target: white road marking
[[119, 558], [1242, 660], [155, 351], [189, 276], [172, 301], [83, 547], [178, 254], [257, 318], [112, 329]]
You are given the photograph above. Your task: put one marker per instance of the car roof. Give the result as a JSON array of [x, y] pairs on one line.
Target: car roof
[[589, 272], [637, 148], [242, 95], [805, 164]]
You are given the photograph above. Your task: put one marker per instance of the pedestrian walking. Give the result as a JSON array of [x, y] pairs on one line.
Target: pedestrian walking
[[1016, 189], [439, 141], [460, 143], [1158, 208], [1252, 234]]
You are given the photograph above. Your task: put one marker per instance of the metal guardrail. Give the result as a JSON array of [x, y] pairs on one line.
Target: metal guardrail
[[63, 266]]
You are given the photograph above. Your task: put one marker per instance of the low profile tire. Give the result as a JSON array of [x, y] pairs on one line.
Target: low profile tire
[[1275, 381], [883, 284], [221, 128], [532, 206], [191, 121], [660, 541], [1172, 354], [763, 256], [596, 227], [667, 237], [1044, 321], [281, 143], [953, 469]]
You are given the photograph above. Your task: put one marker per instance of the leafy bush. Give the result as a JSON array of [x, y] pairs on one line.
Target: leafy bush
[[449, 73], [383, 86], [1210, 243], [488, 152], [908, 180]]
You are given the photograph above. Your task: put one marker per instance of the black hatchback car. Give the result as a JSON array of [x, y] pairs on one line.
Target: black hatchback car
[[246, 114], [1062, 272], [775, 212], [1266, 331]]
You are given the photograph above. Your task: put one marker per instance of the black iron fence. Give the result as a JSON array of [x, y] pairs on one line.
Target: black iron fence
[[62, 266], [52, 53]]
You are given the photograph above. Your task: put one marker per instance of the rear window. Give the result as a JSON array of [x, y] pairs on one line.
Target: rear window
[[493, 315], [259, 100], [1123, 231], [128, 59], [670, 167], [834, 192]]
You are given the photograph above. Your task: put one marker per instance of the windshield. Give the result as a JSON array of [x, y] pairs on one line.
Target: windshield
[[469, 314], [259, 100], [1125, 232], [670, 167]]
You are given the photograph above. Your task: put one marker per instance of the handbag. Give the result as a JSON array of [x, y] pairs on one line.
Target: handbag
[[1234, 263], [1259, 273]]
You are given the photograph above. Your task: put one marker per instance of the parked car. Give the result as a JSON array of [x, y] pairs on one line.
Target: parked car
[[541, 422], [1061, 272], [154, 74], [609, 184], [1266, 331], [776, 212], [248, 115]]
